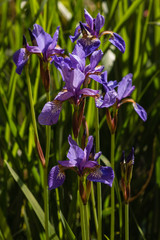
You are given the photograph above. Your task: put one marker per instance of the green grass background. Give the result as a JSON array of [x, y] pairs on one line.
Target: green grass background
[[138, 22]]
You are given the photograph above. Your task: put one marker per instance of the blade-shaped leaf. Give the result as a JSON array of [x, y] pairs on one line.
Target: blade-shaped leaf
[[35, 205], [69, 232]]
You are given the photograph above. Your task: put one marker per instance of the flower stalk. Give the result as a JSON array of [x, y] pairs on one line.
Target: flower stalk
[[126, 221], [99, 191], [45, 177], [112, 189]]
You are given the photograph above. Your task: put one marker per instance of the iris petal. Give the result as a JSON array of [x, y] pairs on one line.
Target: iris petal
[[50, 113], [20, 58], [102, 174], [55, 178], [140, 111], [118, 42]]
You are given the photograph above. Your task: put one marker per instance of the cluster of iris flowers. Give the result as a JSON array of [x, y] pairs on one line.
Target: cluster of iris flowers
[[77, 77]]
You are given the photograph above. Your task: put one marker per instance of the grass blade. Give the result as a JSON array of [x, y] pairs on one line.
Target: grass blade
[[36, 207]]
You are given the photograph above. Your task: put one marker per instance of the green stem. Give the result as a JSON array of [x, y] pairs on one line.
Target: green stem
[[82, 219], [85, 207], [60, 228], [94, 208], [112, 189], [126, 221], [31, 103], [45, 177], [81, 213], [46, 202], [99, 199], [46, 198]]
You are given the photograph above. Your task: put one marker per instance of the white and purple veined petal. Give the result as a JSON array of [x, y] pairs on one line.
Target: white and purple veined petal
[[118, 42], [50, 113], [96, 77], [64, 95], [89, 45], [108, 101], [140, 111], [125, 87], [102, 174], [68, 163], [33, 49], [88, 92], [55, 178]]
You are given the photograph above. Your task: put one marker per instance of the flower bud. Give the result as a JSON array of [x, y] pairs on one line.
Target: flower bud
[[82, 192], [77, 117], [45, 74], [126, 173]]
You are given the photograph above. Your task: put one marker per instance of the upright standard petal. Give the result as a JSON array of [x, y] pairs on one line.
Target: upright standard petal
[[102, 174], [20, 58], [52, 47], [99, 23], [43, 39], [118, 42], [125, 87], [75, 153], [89, 19], [55, 178], [140, 111], [95, 59], [88, 148], [50, 113], [73, 79]]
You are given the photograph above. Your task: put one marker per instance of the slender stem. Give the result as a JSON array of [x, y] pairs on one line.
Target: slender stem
[[60, 228], [46, 207], [46, 198], [48, 137], [112, 189], [81, 213], [46, 202], [99, 199], [85, 207], [94, 208], [126, 221], [31, 103]]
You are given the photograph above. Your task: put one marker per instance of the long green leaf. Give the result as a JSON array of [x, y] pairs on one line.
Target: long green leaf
[[35, 205], [69, 232]]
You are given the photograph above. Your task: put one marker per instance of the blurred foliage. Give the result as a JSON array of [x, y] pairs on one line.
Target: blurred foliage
[[138, 22]]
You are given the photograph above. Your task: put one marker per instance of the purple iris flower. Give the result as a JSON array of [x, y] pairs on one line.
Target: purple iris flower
[[44, 46], [73, 80], [120, 96], [110, 96], [78, 60], [91, 34], [84, 163]]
